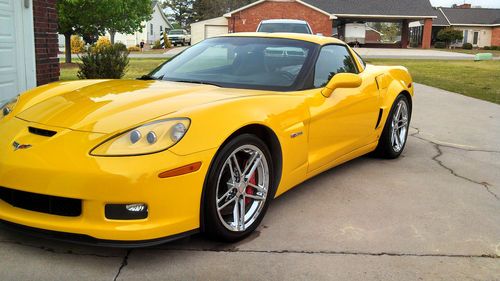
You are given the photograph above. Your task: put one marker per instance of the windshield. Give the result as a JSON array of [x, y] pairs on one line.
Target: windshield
[[240, 62], [284, 27], [176, 32]]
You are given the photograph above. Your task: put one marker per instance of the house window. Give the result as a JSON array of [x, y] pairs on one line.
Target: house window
[[151, 29], [466, 33], [161, 28]]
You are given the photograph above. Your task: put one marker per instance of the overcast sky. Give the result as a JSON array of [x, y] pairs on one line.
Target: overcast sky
[[482, 3]]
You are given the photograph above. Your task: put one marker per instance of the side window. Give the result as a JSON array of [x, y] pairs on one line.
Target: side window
[[332, 59], [360, 59]]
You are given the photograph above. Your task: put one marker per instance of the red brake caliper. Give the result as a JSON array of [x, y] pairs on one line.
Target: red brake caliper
[[250, 189]]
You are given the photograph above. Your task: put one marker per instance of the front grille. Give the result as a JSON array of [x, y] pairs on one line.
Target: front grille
[[53, 205]]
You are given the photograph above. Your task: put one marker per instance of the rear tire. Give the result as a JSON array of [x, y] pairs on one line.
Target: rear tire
[[240, 181], [395, 134]]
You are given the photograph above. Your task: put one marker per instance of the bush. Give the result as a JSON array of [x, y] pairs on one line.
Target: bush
[[168, 44], [77, 45], [157, 45], [449, 34], [495, 48], [121, 46], [106, 61], [134, 49], [487, 48], [102, 41], [414, 44], [439, 45], [467, 46]]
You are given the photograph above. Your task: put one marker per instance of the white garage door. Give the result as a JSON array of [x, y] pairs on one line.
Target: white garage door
[[17, 55], [214, 30]]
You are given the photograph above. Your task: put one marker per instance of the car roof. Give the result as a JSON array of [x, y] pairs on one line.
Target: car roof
[[321, 40], [284, 21]]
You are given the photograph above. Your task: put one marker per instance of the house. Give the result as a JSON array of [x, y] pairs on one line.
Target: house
[[151, 30], [480, 26], [329, 17], [28, 45]]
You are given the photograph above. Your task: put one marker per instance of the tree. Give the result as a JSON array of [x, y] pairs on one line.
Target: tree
[[125, 16], [449, 35], [78, 17], [207, 9], [182, 11]]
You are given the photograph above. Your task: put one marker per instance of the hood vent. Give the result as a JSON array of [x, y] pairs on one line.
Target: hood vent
[[41, 132]]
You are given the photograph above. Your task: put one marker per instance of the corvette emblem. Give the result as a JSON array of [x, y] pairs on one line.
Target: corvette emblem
[[18, 146]]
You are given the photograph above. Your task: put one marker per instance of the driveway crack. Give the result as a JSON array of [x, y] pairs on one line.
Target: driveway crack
[[339, 253], [438, 146], [123, 265]]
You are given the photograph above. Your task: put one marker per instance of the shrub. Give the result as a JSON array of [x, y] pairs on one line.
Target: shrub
[[487, 48], [121, 46], [156, 45], [106, 61], [168, 44], [439, 45], [77, 45], [467, 46], [134, 49], [102, 41], [449, 34], [495, 48], [414, 44]]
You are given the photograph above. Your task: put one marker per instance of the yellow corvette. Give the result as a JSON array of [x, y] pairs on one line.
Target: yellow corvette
[[203, 143]]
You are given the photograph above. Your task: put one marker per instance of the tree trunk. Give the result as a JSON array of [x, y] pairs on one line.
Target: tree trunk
[[112, 36], [67, 40]]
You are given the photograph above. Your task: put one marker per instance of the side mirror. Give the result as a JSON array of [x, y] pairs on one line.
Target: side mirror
[[341, 80]]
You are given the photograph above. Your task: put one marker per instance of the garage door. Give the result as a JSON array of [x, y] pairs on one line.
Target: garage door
[[17, 57], [214, 30]]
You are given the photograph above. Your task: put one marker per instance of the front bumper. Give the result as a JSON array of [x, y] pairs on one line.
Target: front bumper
[[61, 166]]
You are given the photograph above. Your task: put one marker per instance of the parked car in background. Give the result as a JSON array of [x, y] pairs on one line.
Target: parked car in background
[[284, 25], [179, 36]]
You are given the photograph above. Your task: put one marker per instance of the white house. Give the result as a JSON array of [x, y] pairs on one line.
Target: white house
[[208, 28], [151, 31]]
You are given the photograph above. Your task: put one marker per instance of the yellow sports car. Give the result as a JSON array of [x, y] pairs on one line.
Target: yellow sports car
[[203, 143]]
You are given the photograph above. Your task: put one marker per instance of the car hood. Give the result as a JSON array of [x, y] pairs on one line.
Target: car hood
[[114, 105]]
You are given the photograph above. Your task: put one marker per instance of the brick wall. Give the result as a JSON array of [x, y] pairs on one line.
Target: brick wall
[[495, 36], [248, 19], [46, 41]]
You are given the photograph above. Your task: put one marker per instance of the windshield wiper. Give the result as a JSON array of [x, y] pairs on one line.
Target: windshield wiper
[[197, 82], [147, 77]]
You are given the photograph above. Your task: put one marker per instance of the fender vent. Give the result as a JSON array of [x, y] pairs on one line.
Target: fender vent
[[41, 132], [379, 117]]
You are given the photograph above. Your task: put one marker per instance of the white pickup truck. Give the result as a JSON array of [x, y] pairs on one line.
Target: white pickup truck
[[179, 36]]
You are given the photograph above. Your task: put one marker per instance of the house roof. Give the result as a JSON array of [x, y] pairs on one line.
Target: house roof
[[305, 3], [156, 4], [440, 19], [376, 8], [472, 16]]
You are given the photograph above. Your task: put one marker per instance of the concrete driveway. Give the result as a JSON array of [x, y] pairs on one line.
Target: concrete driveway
[[433, 214]]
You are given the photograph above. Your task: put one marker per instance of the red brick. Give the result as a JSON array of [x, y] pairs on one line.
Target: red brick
[[46, 43], [495, 36], [247, 20]]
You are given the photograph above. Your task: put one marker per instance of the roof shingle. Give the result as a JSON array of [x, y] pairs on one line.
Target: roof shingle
[[458, 16], [375, 7]]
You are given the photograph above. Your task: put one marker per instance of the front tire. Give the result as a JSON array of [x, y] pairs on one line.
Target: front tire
[[395, 133], [239, 188]]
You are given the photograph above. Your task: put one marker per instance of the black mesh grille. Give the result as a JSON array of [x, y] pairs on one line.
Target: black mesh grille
[[42, 203]]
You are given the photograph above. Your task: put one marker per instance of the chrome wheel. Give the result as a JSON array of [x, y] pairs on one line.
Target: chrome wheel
[[242, 188], [399, 126]]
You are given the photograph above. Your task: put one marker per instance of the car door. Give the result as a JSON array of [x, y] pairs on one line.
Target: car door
[[346, 120]]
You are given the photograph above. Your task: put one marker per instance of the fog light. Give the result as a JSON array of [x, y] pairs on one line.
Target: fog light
[[134, 211]]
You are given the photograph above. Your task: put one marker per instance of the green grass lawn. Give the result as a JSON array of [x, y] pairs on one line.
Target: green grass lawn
[[474, 79], [136, 68]]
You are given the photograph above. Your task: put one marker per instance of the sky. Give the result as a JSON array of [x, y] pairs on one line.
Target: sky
[[482, 3]]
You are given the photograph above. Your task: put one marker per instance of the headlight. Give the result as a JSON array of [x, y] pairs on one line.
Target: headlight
[[7, 107], [148, 138]]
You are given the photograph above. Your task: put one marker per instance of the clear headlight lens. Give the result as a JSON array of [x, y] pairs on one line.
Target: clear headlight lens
[[148, 138], [7, 107]]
